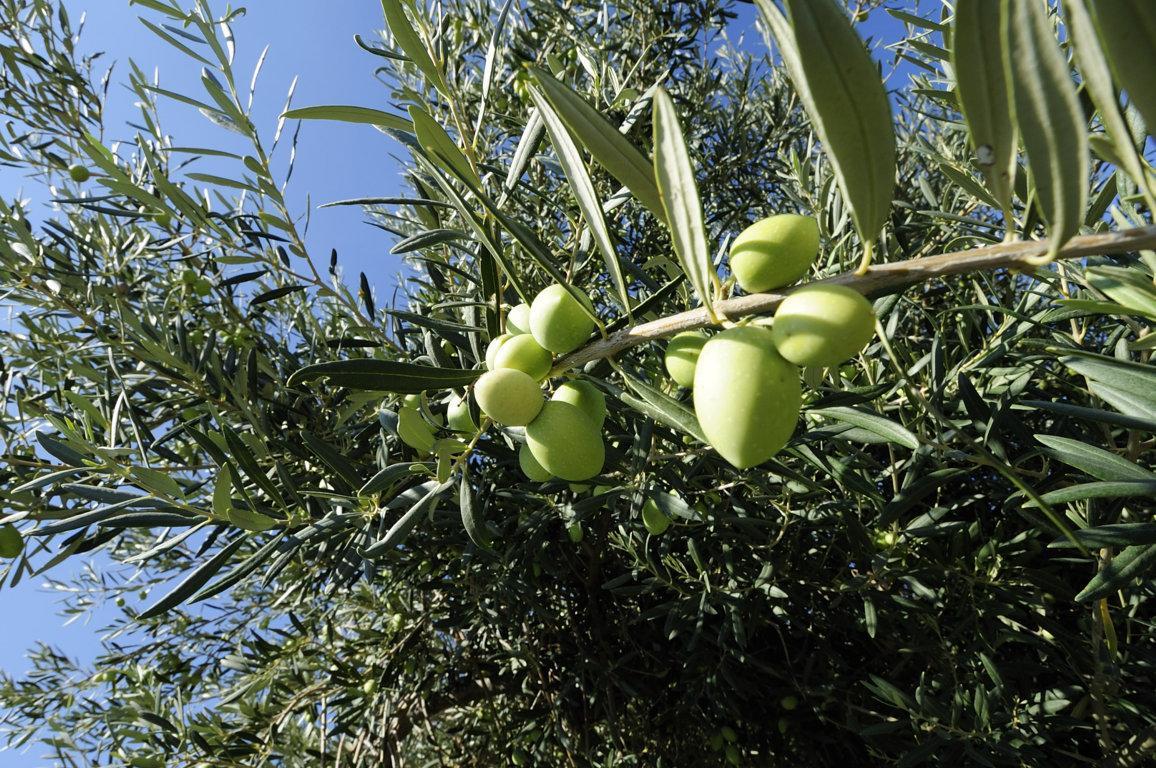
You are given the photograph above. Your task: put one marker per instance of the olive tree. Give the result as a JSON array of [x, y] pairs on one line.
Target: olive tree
[[323, 549]]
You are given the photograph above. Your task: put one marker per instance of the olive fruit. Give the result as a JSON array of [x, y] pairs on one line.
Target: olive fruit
[[458, 415], [493, 348], [682, 353], [518, 320], [508, 396], [655, 520], [11, 542], [823, 325], [774, 251], [574, 531], [746, 396], [525, 354], [558, 321], [566, 442], [789, 702], [79, 173], [413, 429], [586, 396], [530, 466]]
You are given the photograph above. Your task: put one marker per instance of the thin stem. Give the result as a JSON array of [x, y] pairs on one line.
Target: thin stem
[[878, 280]]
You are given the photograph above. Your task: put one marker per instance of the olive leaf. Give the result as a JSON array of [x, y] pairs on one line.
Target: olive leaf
[[839, 84], [1097, 76], [1131, 562], [977, 65], [608, 146], [384, 376], [410, 44], [345, 114], [1128, 31], [1048, 115], [679, 191], [438, 144]]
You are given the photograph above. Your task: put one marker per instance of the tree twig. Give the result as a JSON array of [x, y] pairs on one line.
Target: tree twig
[[877, 281]]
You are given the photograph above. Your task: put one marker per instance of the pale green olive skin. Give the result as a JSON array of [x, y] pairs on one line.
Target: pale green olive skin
[[566, 443], [654, 519], [823, 325], [79, 174], [508, 396], [458, 415], [558, 321], [526, 355], [774, 252], [746, 396], [681, 357], [530, 466], [493, 348], [414, 431], [586, 397], [518, 320]]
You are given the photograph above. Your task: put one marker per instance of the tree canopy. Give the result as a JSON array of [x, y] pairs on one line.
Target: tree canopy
[[947, 564]]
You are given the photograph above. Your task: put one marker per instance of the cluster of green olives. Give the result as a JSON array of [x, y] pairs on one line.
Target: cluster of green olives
[[746, 382]]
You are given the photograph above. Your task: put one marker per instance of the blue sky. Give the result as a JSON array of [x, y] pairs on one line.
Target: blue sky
[[310, 39]]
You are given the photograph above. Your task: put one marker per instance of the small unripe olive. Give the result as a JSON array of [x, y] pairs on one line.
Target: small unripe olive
[[558, 321], [530, 466], [11, 542], [654, 519], [729, 734], [746, 396], [526, 355], [789, 702], [734, 757], [458, 415], [493, 348], [565, 442], [508, 396], [79, 173], [587, 397], [518, 321], [574, 531], [774, 251], [682, 353], [823, 325], [414, 431]]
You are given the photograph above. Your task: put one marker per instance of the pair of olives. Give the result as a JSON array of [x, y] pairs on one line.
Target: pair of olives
[[564, 434], [747, 393]]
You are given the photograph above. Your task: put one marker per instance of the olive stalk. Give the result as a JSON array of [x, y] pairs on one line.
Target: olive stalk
[[876, 281]]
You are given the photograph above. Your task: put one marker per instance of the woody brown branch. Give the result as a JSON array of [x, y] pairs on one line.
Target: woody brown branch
[[878, 280]]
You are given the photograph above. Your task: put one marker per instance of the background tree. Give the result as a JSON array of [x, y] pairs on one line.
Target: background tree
[[944, 566]]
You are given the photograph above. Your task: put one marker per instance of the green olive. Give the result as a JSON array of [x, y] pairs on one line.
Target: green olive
[[681, 358], [746, 396], [586, 396], [530, 466], [11, 542], [508, 396], [526, 355], [414, 431], [565, 442], [574, 531], [823, 325], [789, 702], [79, 173], [518, 320], [774, 252], [458, 415], [729, 734], [655, 520], [558, 321], [734, 757], [493, 348]]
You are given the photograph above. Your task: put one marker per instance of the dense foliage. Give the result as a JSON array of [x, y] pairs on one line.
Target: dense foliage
[[907, 583]]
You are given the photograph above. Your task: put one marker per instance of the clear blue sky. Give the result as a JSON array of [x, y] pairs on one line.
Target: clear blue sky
[[311, 39]]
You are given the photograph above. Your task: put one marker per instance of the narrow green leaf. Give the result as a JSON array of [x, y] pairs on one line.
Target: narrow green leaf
[[608, 146], [1129, 564], [1100, 464], [1128, 31], [194, 581], [430, 492], [411, 45], [1129, 288], [584, 193], [680, 201], [1049, 118], [1129, 387], [839, 84], [661, 407], [977, 64], [872, 422], [1115, 535], [385, 376], [223, 493], [471, 519], [343, 114], [390, 475], [435, 141]]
